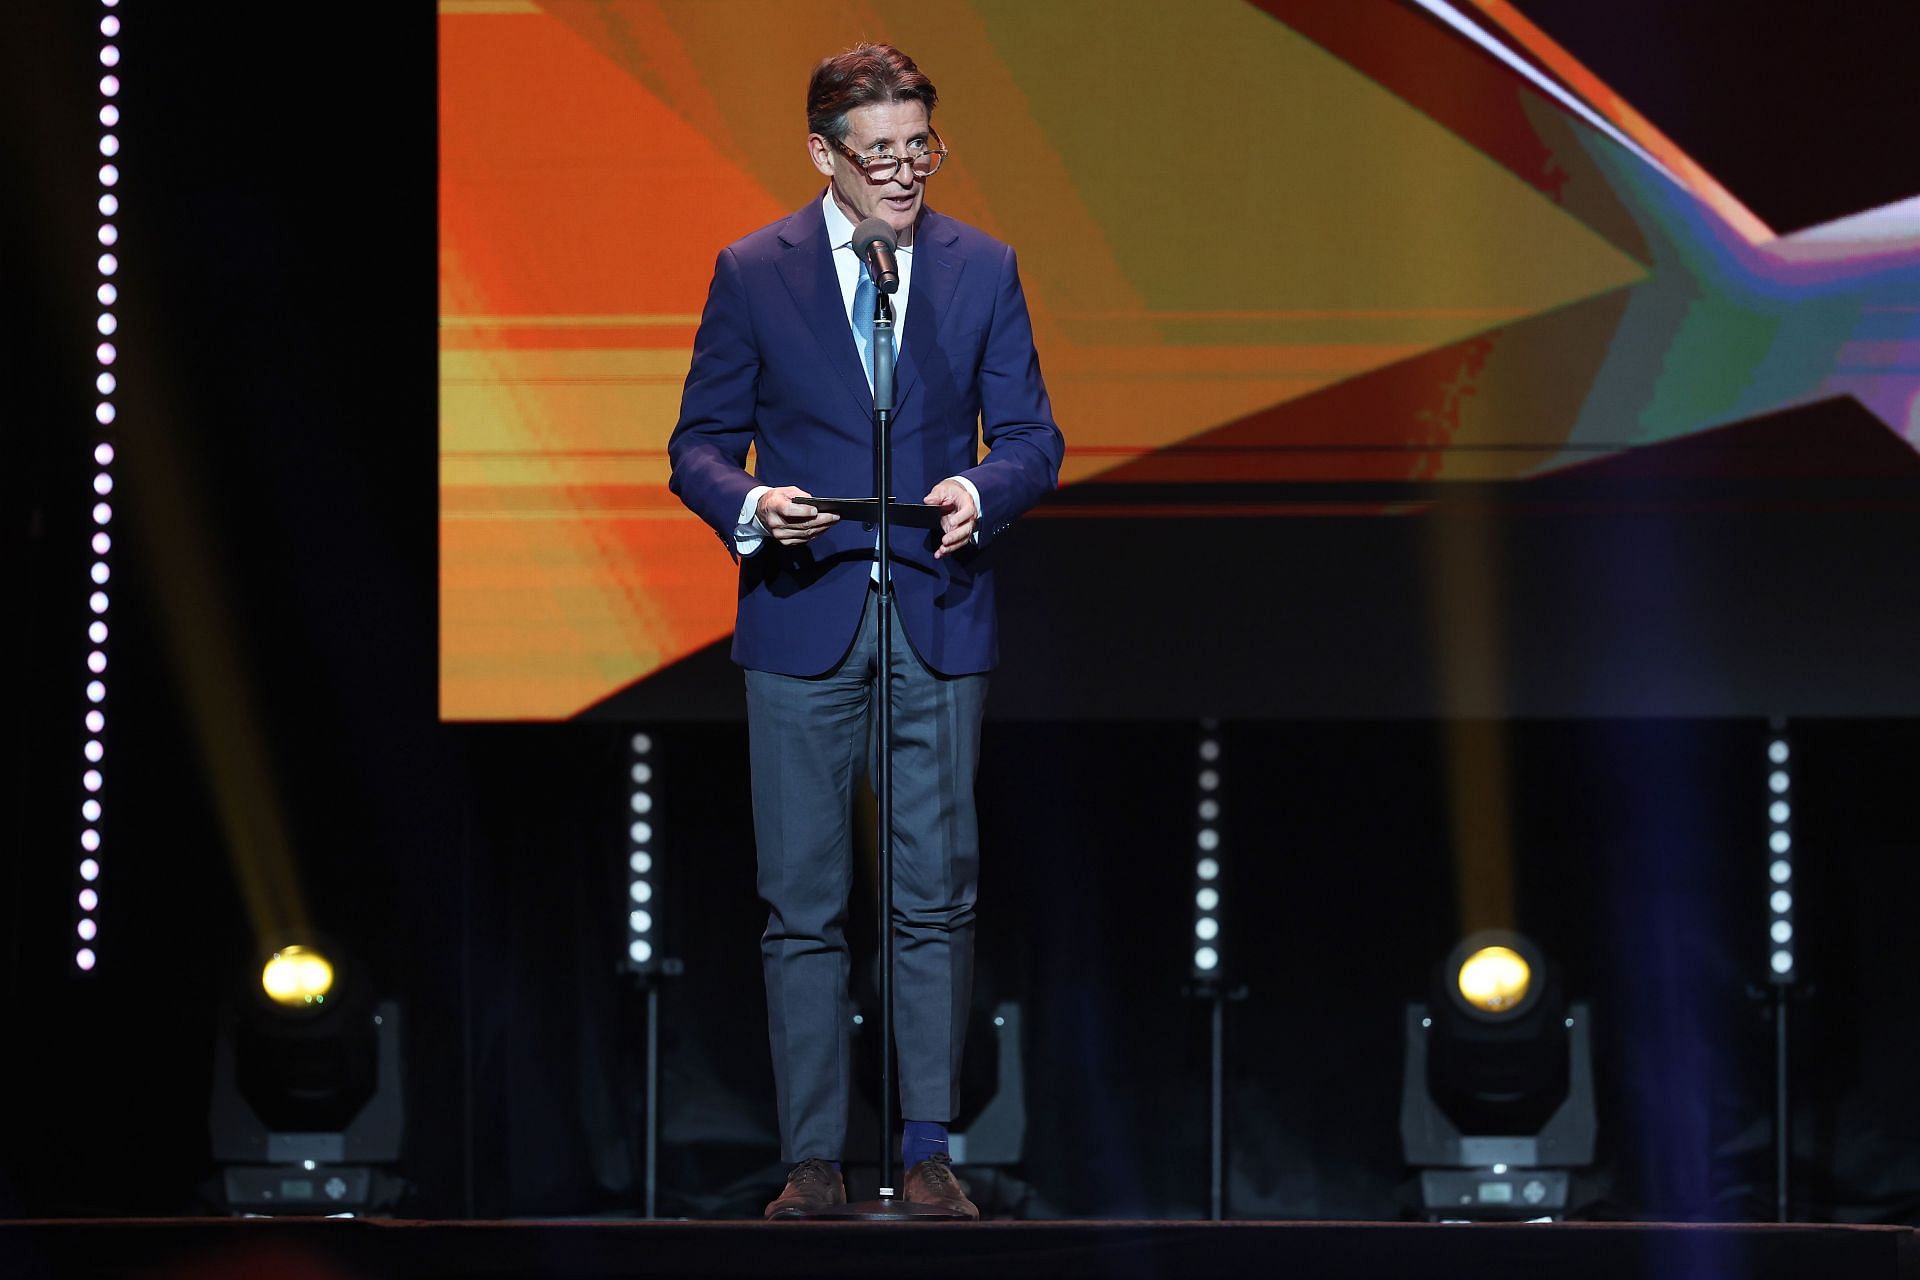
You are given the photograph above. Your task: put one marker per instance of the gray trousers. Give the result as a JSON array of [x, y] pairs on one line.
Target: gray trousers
[[810, 739]]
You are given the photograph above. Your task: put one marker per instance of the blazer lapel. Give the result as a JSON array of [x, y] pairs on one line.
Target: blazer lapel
[[936, 270], [806, 268]]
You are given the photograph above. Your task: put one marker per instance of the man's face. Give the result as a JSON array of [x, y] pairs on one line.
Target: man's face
[[879, 128]]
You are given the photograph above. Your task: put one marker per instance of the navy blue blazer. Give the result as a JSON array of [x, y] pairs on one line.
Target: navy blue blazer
[[775, 367]]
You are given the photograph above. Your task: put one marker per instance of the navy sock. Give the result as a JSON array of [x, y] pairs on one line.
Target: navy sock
[[921, 1140]]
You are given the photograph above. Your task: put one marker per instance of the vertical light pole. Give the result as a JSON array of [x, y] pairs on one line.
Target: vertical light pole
[[1783, 967], [1207, 940], [642, 957]]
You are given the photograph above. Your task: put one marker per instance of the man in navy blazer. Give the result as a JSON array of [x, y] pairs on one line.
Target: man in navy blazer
[[778, 366]]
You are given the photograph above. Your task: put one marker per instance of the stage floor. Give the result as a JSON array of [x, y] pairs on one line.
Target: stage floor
[[307, 1249]]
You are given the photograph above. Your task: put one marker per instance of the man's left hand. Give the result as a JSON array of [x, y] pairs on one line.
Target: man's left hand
[[957, 525]]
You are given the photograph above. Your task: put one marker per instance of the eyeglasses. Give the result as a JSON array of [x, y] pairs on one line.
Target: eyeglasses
[[925, 160]]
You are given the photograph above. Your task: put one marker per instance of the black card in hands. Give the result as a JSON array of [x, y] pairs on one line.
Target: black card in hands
[[912, 515]]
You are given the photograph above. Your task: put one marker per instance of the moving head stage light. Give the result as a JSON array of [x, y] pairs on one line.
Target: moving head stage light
[[1496, 1106], [306, 1090]]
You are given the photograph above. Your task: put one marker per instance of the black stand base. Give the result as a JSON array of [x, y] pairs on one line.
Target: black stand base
[[885, 1210]]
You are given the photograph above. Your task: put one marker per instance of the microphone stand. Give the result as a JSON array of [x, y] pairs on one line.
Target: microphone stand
[[892, 1206]]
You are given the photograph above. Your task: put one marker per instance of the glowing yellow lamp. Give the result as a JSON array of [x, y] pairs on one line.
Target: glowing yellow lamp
[[297, 976], [1495, 979]]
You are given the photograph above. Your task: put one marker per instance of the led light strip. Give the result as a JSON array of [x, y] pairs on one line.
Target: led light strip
[[1206, 866], [1782, 966], [642, 934], [93, 778]]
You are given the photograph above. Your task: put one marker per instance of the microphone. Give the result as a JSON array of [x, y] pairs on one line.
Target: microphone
[[875, 242]]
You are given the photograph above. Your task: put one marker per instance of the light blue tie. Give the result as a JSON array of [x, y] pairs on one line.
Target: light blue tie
[[862, 319], [863, 295]]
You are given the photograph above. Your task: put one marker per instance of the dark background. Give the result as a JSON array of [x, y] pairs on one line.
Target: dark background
[[277, 466]]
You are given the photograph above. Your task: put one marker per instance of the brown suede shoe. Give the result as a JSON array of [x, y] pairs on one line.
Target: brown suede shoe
[[813, 1185], [932, 1182]]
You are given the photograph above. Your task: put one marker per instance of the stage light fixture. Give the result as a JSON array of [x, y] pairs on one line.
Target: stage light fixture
[[306, 1109], [1780, 944], [297, 975], [1496, 1105], [644, 956], [91, 839], [1207, 953], [1494, 979]]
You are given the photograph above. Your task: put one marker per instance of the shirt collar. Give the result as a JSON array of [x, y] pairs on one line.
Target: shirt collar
[[839, 229]]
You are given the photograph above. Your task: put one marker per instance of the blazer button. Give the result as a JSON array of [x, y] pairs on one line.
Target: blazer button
[[868, 526]]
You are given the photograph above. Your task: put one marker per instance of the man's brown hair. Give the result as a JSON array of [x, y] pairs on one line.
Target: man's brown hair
[[864, 74]]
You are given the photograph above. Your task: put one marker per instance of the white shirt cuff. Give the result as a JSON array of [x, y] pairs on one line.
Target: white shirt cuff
[[747, 530]]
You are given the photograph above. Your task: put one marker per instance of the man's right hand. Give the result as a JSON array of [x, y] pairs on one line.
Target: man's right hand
[[788, 519]]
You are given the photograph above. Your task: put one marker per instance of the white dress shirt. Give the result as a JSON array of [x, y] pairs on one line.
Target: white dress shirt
[[749, 533]]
